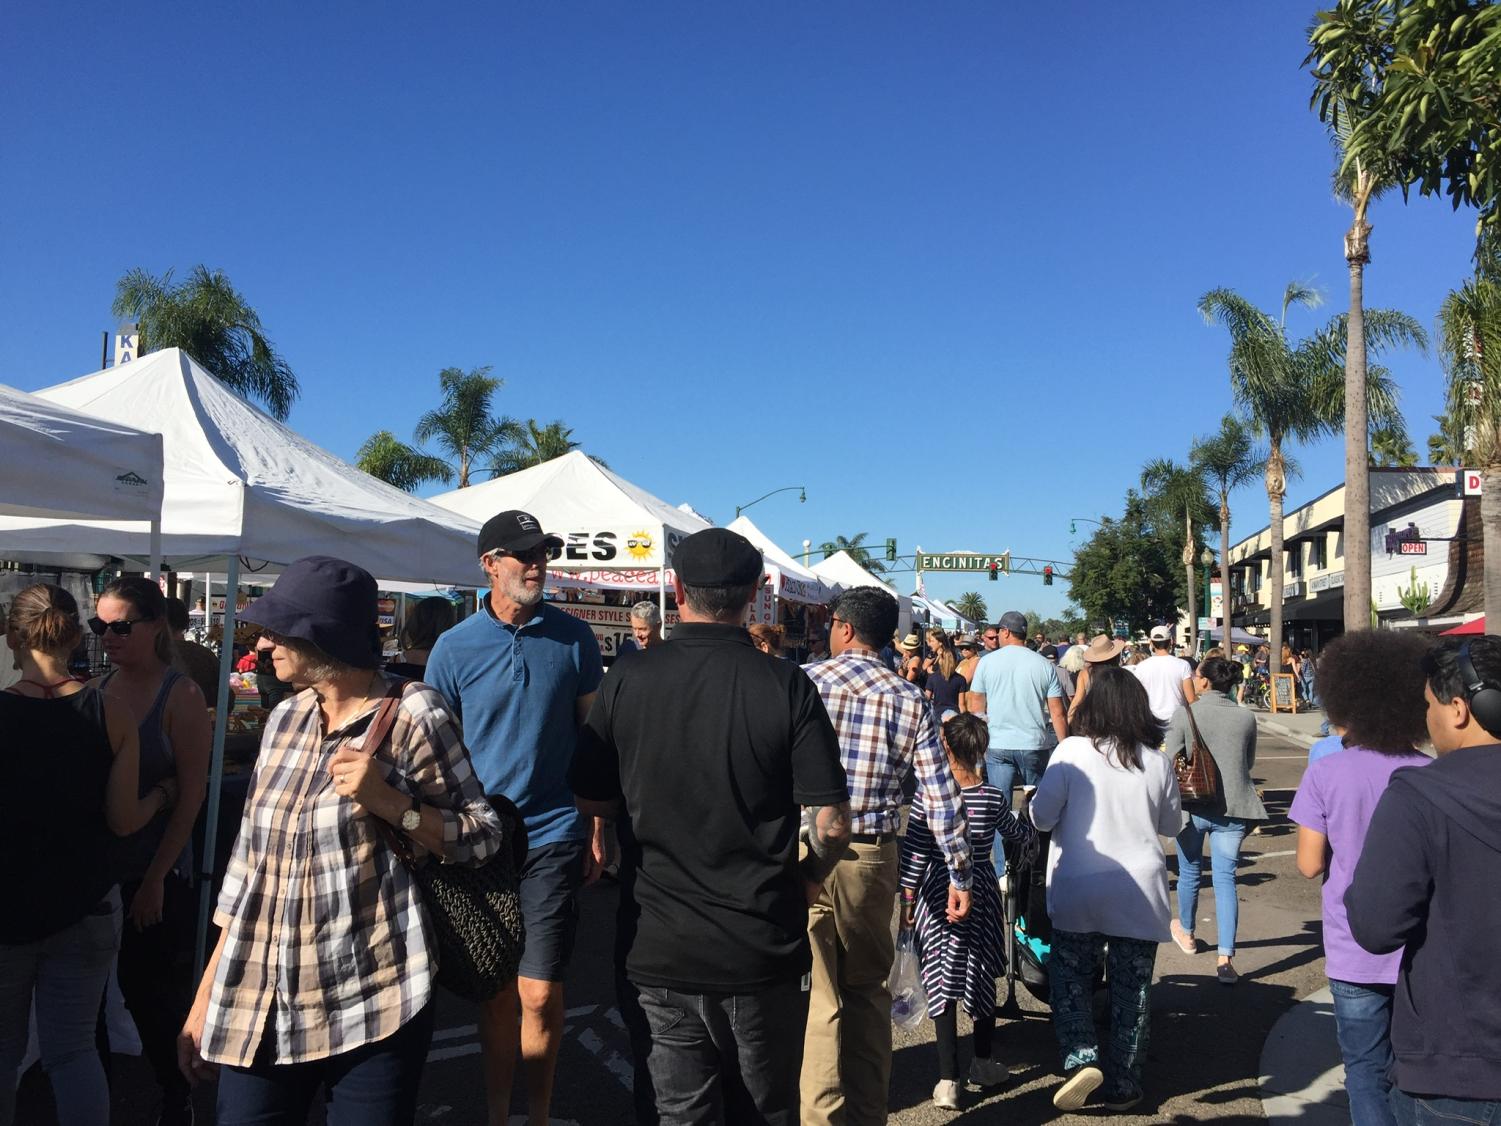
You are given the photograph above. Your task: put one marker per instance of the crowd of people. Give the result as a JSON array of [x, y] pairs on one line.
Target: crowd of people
[[771, 826]]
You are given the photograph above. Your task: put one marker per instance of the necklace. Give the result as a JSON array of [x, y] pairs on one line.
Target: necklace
[[348, 713]]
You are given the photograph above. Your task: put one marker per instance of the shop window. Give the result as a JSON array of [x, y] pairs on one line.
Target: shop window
[[1318, 553]]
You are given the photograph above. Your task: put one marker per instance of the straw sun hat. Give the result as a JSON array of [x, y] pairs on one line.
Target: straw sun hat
[[1103, 648]]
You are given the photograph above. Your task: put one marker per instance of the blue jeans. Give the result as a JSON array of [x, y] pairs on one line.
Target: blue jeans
[[1225, 835], [1072, 970], [1003, 766], [1433, 1110], [726, 1057], [67, 972], [373, 1085], [1363, 1025]]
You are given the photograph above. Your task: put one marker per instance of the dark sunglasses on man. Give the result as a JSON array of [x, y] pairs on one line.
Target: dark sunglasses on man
[[539, 554], [120, 628]]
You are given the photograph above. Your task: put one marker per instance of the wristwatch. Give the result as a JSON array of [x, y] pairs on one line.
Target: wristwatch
[[411, 818]]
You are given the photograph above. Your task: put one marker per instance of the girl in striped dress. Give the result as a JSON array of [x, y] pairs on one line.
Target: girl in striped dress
[[961, 961]]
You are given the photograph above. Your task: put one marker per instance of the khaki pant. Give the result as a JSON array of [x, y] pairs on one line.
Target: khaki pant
[[847, 1052]]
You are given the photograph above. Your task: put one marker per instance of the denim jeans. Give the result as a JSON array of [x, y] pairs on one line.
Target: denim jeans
[[1071, 976], [1003, 766], [726, 1057], [1225, 835], [66, 972], [1363, 1025], [373, 1085], [1435, 1110]]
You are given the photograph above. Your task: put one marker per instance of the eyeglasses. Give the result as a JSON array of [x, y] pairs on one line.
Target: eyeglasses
[[119, 628], [992, 637]]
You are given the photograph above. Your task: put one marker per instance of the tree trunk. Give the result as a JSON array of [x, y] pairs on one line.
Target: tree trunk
[[1225, 612], [1276, 489], [1357, 461], [1490, 521], [1188, 566]]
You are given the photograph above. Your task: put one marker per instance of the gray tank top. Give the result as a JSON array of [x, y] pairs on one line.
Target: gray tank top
[[157, 762]]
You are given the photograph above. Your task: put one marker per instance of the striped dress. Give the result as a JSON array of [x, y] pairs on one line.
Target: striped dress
[[961, 961]]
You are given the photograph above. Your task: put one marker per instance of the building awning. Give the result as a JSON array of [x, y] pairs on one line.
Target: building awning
[[1327, 605]]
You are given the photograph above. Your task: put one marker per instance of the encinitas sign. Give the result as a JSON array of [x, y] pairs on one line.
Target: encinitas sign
[[963, 561]]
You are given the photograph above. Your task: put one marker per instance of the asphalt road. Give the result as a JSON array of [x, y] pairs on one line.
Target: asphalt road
[[1202, 1064]]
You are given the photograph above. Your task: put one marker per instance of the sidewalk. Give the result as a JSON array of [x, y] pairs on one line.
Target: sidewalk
[[1302, 1078], [1298, 727]]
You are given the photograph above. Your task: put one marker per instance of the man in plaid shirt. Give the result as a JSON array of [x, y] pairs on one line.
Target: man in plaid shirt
[[886, 733]]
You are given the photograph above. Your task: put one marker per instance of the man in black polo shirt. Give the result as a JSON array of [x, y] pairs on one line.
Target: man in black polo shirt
[[708, 748]]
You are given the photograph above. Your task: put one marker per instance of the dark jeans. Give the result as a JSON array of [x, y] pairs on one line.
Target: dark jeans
[[1363, 1025], [373, 1085], [1003, 767], [156, 979], [726, 1057], [1435, 1110], [1071, 976]]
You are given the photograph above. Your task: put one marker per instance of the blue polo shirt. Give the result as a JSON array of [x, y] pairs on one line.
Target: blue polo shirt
[[515, 690]]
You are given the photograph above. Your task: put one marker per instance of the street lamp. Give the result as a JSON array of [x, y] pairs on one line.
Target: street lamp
[[802, 497], [1207, 559], [1072, 530], [807, 551]]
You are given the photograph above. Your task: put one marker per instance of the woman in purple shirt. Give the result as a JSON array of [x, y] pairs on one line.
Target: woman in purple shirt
[[1371, 684]]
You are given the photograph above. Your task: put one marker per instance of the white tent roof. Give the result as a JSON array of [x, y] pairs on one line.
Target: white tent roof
[[65, 463], [941, 612], [237, 482], [607, 523], [789, 578], [842, 569]]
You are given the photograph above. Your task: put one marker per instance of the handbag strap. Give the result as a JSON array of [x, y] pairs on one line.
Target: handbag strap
[[1198, 738], [375, 736]]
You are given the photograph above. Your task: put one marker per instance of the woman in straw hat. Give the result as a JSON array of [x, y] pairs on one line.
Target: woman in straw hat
[[1102, 652]]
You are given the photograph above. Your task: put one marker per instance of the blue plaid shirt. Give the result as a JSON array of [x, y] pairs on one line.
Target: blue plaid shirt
[[886, 731]]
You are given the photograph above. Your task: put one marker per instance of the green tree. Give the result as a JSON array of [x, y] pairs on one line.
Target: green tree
[[1390, 448], [531, 445], [1226, 460], [463, 426], [1174, 491], [208, 319], [857, 551], [971, 605], [1126, 570], [1447, 446], [1296, 392], [399, 464]]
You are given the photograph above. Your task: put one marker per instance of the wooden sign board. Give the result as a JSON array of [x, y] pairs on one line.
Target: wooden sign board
[[1284, 692]]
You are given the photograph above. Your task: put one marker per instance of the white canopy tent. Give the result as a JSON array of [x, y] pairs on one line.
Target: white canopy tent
[[241, 488], [789, 578], [842, 569], [941, 613]]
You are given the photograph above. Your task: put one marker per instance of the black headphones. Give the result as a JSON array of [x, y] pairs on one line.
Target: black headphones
[[1483, 696]]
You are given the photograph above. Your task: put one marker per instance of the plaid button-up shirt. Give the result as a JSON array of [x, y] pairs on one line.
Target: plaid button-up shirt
[[328, 944], [886, 731]]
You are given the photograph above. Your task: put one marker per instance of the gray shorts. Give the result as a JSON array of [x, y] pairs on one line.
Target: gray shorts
[[550, 881]]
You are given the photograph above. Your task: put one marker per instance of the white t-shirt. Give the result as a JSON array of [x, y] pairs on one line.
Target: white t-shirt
[[1106, 869], [1163, 676]]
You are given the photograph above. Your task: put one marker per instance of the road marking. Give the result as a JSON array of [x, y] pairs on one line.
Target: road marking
[[612, 1014], [1269, 855], [580, 1010], [453, 1053], [455, 1032], [614, 1063], [1282, 758]]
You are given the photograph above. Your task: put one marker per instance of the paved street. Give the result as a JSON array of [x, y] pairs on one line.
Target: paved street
[[1206, 1039]]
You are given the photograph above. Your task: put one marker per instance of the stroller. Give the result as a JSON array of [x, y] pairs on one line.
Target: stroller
[[1027, 925]]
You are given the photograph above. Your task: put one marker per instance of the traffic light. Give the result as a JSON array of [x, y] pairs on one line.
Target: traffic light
[[891, 550], [1047, 575], [994, 571]]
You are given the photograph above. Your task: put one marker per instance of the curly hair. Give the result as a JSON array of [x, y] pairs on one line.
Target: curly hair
[[1371, 684]]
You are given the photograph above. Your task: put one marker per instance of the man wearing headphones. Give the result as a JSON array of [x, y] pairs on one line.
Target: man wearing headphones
[[1427, 879]]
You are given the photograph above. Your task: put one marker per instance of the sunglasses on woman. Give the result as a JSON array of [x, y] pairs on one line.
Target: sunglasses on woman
[[119, 628]]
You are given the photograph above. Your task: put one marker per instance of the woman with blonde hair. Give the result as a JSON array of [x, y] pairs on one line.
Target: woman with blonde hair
[[767, 638], [945, 688], [64, 739]]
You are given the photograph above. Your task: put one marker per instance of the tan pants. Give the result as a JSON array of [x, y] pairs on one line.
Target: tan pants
[[847, 1053]]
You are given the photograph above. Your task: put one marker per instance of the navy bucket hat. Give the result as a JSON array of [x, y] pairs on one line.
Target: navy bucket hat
[[326, 602]]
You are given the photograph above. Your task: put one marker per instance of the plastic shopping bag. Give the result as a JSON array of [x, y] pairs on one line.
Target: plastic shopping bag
[[909, 1001]]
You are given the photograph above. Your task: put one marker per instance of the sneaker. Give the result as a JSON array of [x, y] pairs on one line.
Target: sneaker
[[1185, 939], [1120, 1100], [946, 1094], [1078, 1087], [988, 1073], [1226, 973], [176, 1114]]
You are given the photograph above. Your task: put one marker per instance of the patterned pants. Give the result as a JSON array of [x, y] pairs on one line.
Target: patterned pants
[[1072, 970]]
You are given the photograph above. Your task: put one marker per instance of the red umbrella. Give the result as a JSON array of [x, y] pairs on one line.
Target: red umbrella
[[1475, 626]]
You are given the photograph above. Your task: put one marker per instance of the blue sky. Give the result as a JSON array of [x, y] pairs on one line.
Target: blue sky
[[937, 263]]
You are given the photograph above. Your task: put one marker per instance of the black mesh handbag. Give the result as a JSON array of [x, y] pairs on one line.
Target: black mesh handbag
[[475, 910]]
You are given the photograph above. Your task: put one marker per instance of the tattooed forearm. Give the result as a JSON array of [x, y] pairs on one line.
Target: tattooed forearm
[[828, 836]]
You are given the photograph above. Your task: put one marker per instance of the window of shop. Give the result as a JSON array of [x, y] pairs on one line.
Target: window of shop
[[1318, 553]]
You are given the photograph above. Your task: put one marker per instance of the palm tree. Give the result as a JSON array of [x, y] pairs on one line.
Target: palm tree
[[1447, 447], [856, 550], [463, 426], [209, 320], [399, 464], [531, 445], [1296, 393], [1172, 490], [971, 605], [1227, 461], [1390, 448]]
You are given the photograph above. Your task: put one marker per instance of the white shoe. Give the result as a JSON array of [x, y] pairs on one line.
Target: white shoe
[[988, 1073], [1078, 1087], [946, 1094]]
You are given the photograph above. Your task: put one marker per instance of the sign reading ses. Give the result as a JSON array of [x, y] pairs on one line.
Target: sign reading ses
[[963, 561]]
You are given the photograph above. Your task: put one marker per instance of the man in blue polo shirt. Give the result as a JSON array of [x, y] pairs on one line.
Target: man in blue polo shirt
[[521, 675]]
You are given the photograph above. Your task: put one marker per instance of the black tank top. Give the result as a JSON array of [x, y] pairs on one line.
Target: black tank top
[[57, 854]]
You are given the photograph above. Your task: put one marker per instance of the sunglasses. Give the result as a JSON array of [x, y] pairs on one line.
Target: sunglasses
[[539, 554], [120, 628]]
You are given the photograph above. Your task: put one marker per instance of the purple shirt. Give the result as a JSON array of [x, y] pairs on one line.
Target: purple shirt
[[1337, 797]]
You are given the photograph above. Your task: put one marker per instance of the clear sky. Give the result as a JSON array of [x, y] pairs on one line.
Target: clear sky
[[938, 263]]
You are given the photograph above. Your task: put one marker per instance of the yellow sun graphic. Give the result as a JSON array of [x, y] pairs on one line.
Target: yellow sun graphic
[[639, 545]]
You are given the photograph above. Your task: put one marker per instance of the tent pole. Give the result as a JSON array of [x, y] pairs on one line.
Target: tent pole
[[156, 549], [662, 594], [216, 761]]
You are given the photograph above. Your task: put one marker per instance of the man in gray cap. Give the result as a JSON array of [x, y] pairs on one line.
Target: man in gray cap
[[707, 749], [1014, 689]]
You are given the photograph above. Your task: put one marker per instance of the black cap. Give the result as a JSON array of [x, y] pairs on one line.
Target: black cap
[[327, 602], [514, 530], [718, 557]]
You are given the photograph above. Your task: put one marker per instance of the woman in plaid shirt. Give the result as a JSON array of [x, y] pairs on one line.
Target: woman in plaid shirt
[[323, 975]]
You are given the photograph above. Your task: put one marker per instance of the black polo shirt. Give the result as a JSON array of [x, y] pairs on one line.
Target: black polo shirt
[[714, 747]]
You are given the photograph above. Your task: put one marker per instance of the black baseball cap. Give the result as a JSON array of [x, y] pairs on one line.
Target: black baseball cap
[[514, 530], [1014, 622], [718, 557]]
